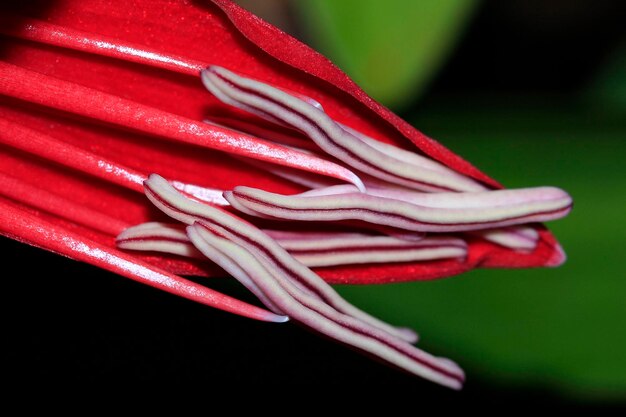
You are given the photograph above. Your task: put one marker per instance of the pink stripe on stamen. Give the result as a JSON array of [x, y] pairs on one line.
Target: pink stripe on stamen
[[411, 157], [323, 318], [332, 190], [173, 238], [158, 237], [327, 249], [205, 194], [311, 249], [470, 200], [232, 266], [514, 237], [527, 205], [176, 206], [269, 102]]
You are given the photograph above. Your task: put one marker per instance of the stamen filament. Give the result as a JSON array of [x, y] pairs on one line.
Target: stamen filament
[[276, 105], [174, 205], [322, 318], [528, 205], [311, 249], [514, 237]]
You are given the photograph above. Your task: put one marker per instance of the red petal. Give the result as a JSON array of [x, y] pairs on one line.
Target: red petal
[[223, 34], [31, 229]]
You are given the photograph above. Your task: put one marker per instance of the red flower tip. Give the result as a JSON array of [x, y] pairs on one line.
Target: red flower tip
[[284, 174]]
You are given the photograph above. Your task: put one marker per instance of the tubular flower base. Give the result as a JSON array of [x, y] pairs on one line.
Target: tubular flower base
[[259, 159]]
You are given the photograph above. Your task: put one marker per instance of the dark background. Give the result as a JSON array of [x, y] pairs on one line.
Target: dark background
[[72, 325], [533, 47], [78, 327]]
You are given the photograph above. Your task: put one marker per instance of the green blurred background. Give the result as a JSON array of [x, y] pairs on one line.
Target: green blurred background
[[533, 93]]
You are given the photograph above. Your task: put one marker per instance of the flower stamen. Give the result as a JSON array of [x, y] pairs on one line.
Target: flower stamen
[[445, 212], [285, 285], [168, 200], [276, 105], [310, 248], [322, 318]]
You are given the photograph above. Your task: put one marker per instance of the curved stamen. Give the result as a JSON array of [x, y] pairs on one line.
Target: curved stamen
[[276, 105], [470, 211], [476, 200], [232, 266], [514, 237], [324, 319], [311, 249], [158, 237], [410, 157], [168, 200], [329, 249]]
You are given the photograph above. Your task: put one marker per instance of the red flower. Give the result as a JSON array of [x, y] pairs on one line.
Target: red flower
[[96, 98]]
